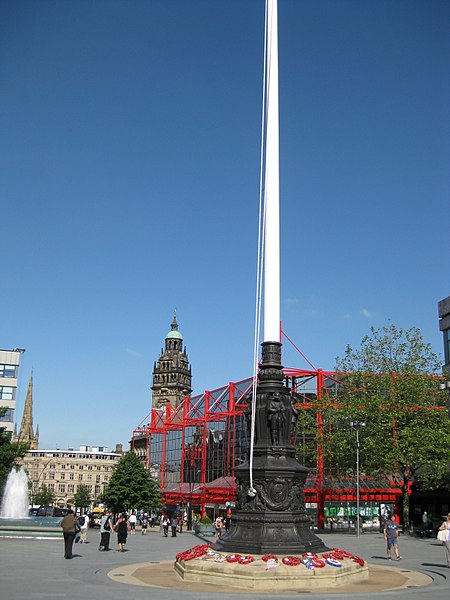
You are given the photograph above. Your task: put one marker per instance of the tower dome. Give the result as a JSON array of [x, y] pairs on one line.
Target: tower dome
[[172, 373], [174, 334]]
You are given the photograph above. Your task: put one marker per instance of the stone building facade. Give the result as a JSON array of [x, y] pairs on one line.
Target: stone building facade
[[62, 471], [26, 433]]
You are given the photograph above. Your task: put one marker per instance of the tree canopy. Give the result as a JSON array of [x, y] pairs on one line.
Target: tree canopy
[[131, 487], [82, 498], [390, 349], [44, 496], [390, 385]]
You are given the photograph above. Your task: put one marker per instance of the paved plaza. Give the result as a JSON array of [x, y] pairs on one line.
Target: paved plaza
[[36, 569]]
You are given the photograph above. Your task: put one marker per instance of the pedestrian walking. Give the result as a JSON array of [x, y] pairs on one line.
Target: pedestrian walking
[[84, 525], [219, 526], [122, 527], [174, 525], [165, 525], [144, 524], [70, 528], [132, 521], [446, 543], [105, 531], [391, 537]]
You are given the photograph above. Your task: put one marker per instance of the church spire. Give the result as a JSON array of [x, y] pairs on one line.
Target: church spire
[[174, 324], [26, 435]]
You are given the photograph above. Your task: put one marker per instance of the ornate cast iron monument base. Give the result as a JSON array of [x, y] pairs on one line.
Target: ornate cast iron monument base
[[271, 517]]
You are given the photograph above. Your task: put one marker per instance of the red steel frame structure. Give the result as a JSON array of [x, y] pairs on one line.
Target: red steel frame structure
[[193, 449]]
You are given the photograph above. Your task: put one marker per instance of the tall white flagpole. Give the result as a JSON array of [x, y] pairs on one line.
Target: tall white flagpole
[[271, 297]]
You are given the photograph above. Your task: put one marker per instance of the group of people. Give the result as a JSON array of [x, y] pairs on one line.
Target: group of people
[[173, 522], [73, 526]]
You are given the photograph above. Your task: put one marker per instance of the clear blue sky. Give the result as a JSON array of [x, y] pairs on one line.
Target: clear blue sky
[[129, 174]]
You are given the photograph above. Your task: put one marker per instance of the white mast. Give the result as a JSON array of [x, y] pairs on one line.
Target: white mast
[[272, 185]]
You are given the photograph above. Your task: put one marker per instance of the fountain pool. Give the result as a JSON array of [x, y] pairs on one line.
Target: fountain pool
[[15, 498], [14, 519]]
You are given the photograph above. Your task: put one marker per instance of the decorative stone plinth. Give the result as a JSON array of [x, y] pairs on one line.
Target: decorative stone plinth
[[257, 575]]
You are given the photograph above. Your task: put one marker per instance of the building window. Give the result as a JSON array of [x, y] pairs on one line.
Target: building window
[[89, 477], [62, 488], [97, 478], [8, 371], [447, 346], [81, 467], [80, 477], [7, 417], [51, 475], [72, 467], [70, 487], [63, 475], [71, 475], [6, 392], [51, 487]]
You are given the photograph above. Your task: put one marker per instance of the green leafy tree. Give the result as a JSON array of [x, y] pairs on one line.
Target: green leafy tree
[[131, 486], [82, 498], [44, 496], [11, 454], [391, 384]]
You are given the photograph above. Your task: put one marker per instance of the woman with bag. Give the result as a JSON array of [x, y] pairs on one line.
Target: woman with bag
[[122, 527], [105, 531], [445, 527]]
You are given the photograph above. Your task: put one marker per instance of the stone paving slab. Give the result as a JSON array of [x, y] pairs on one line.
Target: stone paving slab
[[36, 569], [380, 579]]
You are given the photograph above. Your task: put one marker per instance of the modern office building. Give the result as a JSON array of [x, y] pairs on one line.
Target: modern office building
[[9, 374], [444, 326]]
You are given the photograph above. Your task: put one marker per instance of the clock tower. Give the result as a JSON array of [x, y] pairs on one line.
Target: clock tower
[[171, 372]]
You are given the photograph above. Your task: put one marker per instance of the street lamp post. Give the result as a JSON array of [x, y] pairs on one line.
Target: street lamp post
[[356, 425]]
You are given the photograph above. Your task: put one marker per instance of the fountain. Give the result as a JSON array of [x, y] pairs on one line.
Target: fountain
[[15, 497], [14, 519]]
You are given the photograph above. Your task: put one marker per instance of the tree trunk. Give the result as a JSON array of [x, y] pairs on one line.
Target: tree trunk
[[405, 524]]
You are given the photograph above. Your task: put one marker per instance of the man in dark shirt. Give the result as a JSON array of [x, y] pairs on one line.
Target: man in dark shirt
[[391, 537], [70, 527]]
